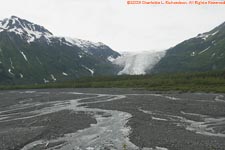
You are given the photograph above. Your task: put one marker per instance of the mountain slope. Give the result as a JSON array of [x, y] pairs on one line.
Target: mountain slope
[[29, 53], [204, 52]]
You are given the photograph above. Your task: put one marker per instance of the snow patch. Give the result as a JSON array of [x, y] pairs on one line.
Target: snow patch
[[24, 56], [90, 70], [204, 50], [204, 36], [65, 74], [38, 60], [46, 81], [10, 71], [111, 59], [215, 33], [53, 78], [193, 54], [84, 44], [4, 24], [214, 42], [21, 75], [138, 63], [11, 63]]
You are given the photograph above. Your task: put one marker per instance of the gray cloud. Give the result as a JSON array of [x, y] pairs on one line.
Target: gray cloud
[[123, 27]]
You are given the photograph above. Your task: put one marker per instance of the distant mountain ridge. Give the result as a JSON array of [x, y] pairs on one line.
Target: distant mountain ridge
[[204, 52], [29, 53]]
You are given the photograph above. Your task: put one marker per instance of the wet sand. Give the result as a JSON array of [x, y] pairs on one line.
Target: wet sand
[[111, 119]]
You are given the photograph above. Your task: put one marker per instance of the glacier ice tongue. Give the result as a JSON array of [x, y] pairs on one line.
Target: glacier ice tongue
[[138, 63]]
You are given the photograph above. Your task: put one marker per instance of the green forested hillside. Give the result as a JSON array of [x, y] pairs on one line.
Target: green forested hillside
[[204, 52], [193, 82]]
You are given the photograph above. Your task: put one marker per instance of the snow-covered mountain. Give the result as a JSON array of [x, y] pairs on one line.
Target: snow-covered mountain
[[138, 63], [25, 29], [29, 53], [31, 32]]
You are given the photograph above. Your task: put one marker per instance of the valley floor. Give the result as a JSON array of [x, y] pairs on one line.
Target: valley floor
[[111, 118]]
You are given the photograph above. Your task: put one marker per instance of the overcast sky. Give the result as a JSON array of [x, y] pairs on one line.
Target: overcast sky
[[123, 27]]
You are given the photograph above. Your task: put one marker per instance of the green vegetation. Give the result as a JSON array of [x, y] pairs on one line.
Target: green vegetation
[[196, 54], [192, 82], [44, 60]]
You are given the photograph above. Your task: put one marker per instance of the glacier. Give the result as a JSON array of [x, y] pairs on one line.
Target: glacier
[[138, 63]]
